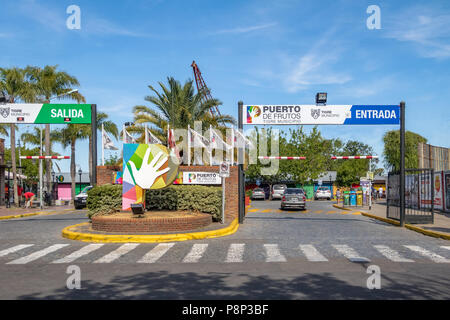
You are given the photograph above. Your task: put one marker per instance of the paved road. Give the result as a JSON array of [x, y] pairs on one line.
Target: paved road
[[319, 253]]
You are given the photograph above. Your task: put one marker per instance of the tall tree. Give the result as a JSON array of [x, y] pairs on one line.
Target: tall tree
[[391, 150], [51, 82], [69, 136], [16, 86], [176, 105]]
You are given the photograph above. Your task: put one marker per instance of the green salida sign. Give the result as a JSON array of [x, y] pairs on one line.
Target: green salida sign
[[45, 113]]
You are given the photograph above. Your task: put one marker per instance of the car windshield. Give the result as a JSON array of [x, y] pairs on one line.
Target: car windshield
[[279, 187], [294, 191], [86, 189], [324, 189], [258, 190]]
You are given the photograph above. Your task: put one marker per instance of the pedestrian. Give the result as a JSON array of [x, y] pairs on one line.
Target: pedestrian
[[30, 197], [380, 190], [338, 194]]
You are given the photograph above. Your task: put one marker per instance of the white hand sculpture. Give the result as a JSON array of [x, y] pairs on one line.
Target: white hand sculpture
[[147, 174]]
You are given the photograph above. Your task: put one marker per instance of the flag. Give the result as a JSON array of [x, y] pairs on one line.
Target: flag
[[240, 141], [107, 142], [128, 138], [198, 141], [152, 139], [172, 144], [217, 142]]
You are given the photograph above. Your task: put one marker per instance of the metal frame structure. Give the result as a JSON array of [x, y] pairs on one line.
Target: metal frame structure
[[202, 88]]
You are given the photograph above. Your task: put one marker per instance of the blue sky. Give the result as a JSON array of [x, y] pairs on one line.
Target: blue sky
[[260, 52]]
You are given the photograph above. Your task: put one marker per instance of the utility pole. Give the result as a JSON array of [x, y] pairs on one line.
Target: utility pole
[[402, 164]]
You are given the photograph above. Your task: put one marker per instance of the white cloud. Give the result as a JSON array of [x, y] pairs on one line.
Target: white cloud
[[427, 29], [247, 29]]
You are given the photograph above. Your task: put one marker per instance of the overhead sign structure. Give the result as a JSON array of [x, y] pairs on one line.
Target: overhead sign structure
[[38, 113], [315, 115]]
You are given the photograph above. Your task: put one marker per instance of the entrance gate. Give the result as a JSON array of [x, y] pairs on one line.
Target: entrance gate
[[320, 115], [419, 195]]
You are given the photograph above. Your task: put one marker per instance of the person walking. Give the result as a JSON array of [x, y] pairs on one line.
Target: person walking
[[380, 190], [29, 196]]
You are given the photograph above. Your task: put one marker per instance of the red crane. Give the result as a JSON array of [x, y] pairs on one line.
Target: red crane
[[201, 87]]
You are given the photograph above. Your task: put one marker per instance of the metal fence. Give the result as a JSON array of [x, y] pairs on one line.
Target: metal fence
[[419, 195]]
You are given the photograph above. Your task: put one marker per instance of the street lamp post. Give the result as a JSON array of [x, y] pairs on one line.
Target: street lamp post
[[53, 186], [80, 172], [8, 203], [331, 187]]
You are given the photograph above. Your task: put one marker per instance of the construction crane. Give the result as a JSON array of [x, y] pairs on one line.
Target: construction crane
[[201, 87]]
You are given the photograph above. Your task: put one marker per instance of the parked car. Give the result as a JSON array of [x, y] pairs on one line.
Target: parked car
[[293, 198], [278, 190], [258, 193], [322, 193], [81, 198]]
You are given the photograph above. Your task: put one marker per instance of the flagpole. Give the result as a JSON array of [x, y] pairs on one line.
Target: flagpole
[[189, 145], [103, 147], [211, 146], [146, 134], [232, 146]]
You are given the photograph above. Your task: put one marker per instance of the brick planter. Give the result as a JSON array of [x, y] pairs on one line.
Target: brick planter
[[150, 224]]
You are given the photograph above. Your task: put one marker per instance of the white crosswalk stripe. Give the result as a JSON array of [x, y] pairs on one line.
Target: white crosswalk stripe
[[116, 254], [38, 254], [349, 253], [311, 253], [446, 247], [14, 249], [156, 253], [391, 254], [431, 255], [273, 253], [196, 253], [79, 253], [235, 252]]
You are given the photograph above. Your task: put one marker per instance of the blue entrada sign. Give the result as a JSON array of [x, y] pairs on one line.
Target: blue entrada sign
[[374, 114]]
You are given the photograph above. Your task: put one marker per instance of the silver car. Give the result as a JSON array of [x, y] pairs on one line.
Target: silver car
[[322, 193], [293, 198], [258, 193], [278, 190]]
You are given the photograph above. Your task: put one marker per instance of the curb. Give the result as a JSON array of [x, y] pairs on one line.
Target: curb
[[24, 215], [433, 234], [342, 208], [89, 237]]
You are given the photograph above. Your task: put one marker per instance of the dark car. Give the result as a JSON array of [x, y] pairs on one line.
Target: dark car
[[293, 198], [81, 198]]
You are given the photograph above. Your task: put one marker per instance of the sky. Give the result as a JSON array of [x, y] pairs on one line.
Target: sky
[[258, 51]]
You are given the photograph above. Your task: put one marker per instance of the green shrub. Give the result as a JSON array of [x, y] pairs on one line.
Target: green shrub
[[195, 198], [105, 199]]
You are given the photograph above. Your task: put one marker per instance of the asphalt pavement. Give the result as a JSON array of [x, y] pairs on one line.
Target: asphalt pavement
[[319, 253]]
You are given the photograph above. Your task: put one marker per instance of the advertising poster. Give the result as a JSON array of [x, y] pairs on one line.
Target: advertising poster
[[447, 190], [438, 191], [425, 190]]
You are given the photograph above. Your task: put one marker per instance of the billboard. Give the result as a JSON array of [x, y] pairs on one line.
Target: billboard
[[438, 191], [38, 113], [446, 197], [315, 115]]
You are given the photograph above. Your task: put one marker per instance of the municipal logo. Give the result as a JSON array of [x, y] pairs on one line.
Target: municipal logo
[[4, 112], [253, 112], [315, 113]]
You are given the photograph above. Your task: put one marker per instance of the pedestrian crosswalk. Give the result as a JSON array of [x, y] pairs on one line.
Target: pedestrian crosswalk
[[216, 252]]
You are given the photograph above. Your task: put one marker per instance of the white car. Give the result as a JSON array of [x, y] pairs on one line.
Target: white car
[[322, 193], [278, 190]]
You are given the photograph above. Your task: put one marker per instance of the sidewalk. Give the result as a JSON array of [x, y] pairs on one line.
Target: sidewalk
[[440, 228], [14, 212]]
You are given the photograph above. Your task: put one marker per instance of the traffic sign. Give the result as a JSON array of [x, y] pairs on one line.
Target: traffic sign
[[224, 169]]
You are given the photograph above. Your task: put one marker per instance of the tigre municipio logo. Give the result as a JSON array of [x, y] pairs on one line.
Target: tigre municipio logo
[[4, 111], [315, 113]]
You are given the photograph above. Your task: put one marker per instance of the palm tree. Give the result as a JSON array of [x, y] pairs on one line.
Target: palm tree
[[109, 127], [15, 84], [51, 82], [69, 136], [177, 106]]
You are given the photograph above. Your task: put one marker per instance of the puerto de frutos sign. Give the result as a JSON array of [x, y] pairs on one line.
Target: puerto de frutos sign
[[39, 113], [330, 114]]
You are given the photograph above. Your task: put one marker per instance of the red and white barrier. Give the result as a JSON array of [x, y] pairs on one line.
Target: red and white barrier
[[44, 157], [353, 157], [282, 158]]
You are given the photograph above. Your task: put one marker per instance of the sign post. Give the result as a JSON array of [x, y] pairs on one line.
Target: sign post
[[224, 172]]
